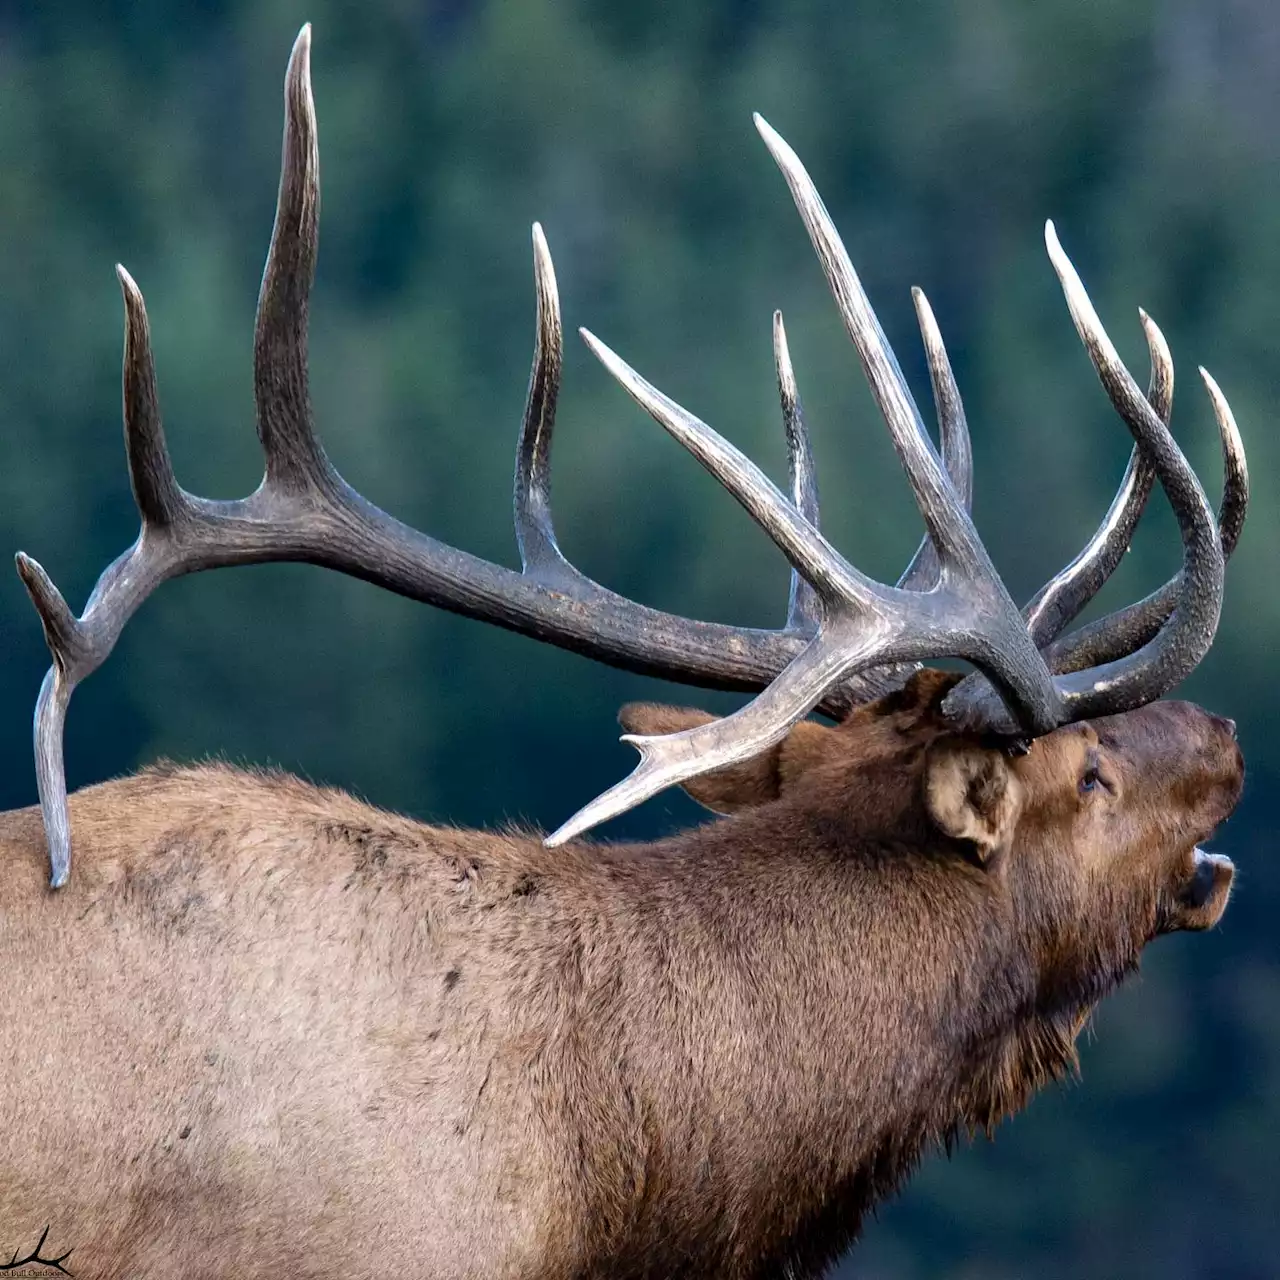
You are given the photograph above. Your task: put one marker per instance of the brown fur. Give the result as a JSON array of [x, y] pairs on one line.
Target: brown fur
[[270, 1030]]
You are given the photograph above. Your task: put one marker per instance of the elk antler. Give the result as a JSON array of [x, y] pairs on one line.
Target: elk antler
[[304, 511], [962, 609], [846, 638]]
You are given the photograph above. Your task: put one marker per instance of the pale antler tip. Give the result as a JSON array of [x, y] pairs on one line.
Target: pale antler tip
[[601, 809], [1227, 427], [928, 323], [1157, 343], [777, 145], [542, 264], [782, 359], [1211, 384], [129, 289], [298, 75], [34, 578]]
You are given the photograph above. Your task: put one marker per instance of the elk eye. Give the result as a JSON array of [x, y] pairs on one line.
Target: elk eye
[[1092, 779]]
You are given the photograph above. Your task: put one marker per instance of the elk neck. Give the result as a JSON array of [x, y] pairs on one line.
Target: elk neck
[[808, 996]]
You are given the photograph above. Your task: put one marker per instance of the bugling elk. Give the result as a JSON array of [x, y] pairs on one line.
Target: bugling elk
[[268, 1029]]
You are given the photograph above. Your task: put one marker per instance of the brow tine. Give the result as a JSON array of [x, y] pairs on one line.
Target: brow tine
[[804, 609], [665, 759]]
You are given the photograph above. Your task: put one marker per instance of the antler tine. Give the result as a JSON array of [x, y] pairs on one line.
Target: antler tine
[[1127, 629], [535, 530], [665, 759], [864, 624], [818, 562], [1183, 641], [1063, 597], [1235, 484], [80, 645], [959, 549], [294, 457], [953, 432], [945, 519], [1007, 648], [155, 488], [953, 426], [804, 610], [63, 634], [1174, 650]]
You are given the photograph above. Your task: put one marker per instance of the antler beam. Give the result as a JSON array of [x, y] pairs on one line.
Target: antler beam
[[304, 511], [846, 637]]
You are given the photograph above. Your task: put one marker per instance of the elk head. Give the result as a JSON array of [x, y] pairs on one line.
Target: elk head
[[846, 638], [1090, 837]]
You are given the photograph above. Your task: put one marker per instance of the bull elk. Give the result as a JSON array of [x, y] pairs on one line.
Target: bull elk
[[267, 1029]]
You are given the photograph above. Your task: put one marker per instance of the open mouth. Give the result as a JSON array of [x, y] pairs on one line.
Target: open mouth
[[1211, 878]]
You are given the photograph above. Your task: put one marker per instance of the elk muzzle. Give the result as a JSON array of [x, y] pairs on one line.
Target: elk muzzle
[[1201, 896]]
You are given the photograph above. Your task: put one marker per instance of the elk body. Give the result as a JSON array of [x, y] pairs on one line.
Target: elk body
[[269, 1029]]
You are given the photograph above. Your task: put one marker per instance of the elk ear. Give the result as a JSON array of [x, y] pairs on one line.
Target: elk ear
[[971, 794], [741, 786]]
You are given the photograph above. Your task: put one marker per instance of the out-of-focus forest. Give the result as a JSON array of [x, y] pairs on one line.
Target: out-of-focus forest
[[942, 136]]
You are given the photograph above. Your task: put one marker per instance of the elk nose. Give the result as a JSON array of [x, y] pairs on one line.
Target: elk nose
[[1223, 725]]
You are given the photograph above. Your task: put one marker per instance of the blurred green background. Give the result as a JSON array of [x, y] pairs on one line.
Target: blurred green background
[[942, 135]]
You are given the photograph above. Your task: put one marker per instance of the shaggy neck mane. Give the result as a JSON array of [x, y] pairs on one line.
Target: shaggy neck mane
[[838, 1000]]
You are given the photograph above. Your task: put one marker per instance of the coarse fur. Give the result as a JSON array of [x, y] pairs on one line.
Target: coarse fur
[[268, 1029]]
